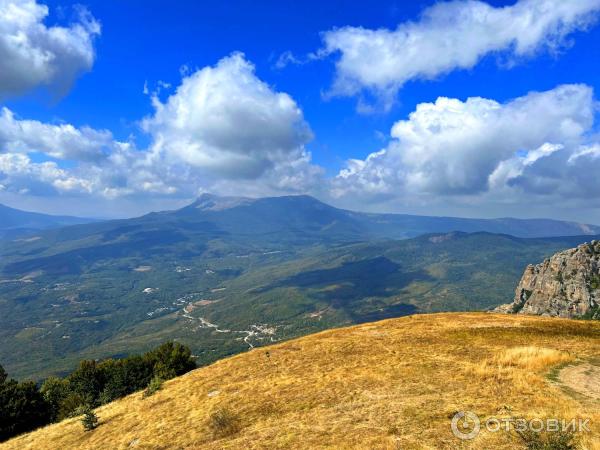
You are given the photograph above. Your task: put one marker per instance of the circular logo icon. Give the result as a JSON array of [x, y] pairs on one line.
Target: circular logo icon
[[465, 425]]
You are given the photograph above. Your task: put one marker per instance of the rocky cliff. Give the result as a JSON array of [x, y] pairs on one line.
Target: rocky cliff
[[565, 285]]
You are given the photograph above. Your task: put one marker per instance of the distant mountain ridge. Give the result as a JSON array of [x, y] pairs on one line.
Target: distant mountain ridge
[[296, 212], [14, 222], [300, 217]]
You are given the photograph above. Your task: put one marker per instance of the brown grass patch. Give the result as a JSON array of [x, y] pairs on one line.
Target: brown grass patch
[[386, 385]]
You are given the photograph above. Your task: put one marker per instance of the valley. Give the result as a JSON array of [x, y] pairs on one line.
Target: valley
[[194, 275], [300, 225]]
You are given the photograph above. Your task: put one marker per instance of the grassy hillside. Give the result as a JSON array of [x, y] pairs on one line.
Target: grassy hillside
[[129, 291], [389, 385]]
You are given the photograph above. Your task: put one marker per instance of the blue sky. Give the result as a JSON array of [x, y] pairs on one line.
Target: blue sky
[[154, 43]]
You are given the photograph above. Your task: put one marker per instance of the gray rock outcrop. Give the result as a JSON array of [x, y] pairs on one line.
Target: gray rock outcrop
[[565, 285]]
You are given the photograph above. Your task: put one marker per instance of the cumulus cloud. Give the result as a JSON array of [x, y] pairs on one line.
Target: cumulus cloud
[[18, 173], [62, 141], [223, 129], [33, 54], [449, 36], [537, 144], [225, 123]]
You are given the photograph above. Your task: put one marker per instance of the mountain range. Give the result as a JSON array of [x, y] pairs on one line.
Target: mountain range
[[227, 274], [303, 217], [14, 222]]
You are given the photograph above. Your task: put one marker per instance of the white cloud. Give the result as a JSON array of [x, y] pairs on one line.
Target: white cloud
[[223, 130], [33, 54], [18, 173], [287, 58], [225, 123], [591, 152], [449, 36], [481, 148], [62, 141]]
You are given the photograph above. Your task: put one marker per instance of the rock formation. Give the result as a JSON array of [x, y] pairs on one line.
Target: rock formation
[[565, 285]]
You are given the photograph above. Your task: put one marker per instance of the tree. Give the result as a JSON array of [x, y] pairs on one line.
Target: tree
[[138, 372], [87, 381], [55, 390], [22, 408], [170, 360], [70, 405]]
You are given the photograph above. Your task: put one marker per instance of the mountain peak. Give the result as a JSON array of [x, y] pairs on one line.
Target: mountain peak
[[211, 202]]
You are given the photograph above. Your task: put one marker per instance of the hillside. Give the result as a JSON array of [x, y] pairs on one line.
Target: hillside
[[391, 384], [120, 293]]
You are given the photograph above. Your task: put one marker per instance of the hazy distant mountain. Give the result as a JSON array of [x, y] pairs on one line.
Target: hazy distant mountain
[[289, 219], [14, 222], [306, 215]]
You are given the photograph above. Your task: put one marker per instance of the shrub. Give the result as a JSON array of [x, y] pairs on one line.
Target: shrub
[[89, 419], [154, 386], [595, 282], [559, 440], [223, 422]]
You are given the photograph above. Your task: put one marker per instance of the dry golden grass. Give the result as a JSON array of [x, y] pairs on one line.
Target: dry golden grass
[[385, 385], [533, 358]]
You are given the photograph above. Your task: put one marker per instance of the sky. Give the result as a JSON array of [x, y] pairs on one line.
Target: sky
[[457, 108]]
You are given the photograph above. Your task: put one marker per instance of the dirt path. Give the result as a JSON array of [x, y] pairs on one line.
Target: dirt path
[[583, 379]]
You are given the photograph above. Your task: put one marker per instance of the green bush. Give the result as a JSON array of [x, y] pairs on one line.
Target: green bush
[[170, 360], [89, 419], [87, 380], [70, 405], [595, 282], [153, 387]]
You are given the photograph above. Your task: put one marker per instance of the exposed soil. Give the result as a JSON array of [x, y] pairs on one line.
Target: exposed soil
[[583, 379]]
